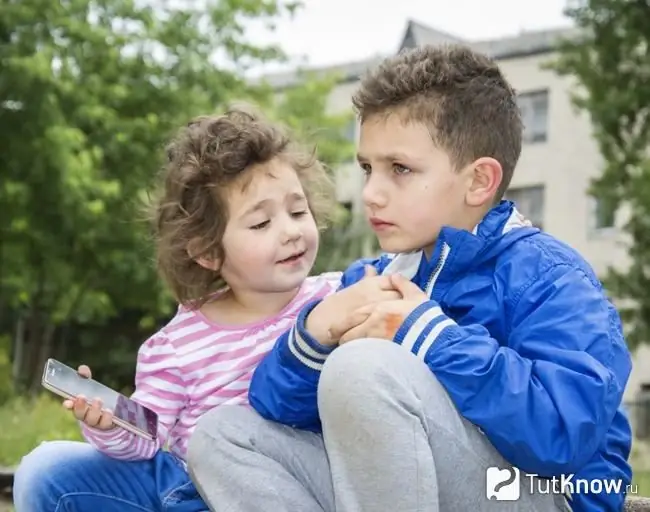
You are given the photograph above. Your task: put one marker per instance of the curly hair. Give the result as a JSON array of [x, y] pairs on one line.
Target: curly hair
[[460, 95], [191, 211]]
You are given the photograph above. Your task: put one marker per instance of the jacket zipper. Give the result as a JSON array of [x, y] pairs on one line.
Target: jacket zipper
[[438, 269]]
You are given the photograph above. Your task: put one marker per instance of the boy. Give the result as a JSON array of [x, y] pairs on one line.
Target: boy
[[505, 351]]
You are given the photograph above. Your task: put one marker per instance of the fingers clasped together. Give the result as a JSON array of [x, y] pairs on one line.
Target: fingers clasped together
[[381, 317]]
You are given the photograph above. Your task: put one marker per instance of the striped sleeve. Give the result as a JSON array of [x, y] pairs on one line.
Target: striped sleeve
[[330, 282], [422, 327], [158, 386]]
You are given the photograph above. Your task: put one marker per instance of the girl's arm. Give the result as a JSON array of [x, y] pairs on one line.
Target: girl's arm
[[158, 386]]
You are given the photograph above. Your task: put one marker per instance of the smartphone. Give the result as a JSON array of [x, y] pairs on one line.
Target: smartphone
[[128, 414]]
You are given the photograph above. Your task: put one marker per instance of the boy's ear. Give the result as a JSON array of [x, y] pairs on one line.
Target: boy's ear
[[208, 263], [486, 176]]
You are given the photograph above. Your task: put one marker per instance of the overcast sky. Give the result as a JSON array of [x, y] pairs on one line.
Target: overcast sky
[[336, 31]]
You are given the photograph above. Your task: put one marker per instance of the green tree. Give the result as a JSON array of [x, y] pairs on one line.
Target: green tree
[[89, 90], [611, 61]]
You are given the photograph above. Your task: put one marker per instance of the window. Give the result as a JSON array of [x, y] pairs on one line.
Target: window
[[604, 214], [534, 114], [530, 203]]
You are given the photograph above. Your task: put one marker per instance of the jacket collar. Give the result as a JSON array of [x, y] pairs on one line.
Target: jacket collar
[[458, 249]]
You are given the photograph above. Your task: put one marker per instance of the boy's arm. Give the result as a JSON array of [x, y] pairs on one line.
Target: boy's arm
[[284, 385], [547, 399], [158, 386]]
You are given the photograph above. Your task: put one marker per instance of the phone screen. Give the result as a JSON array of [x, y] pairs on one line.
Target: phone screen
[[65, 379]]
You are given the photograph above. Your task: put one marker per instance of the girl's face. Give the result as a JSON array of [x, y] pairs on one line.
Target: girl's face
[[271, 239]]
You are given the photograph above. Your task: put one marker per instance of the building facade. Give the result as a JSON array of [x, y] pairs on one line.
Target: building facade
[[559, 157]]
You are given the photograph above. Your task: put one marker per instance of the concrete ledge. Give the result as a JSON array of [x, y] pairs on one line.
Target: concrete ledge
[[637, 504]]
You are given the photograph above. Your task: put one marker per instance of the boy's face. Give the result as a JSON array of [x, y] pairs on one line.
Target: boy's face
[[411, 190]]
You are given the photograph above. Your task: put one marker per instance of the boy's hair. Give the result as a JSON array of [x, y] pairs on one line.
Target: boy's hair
[[460, 95], [191, 210]]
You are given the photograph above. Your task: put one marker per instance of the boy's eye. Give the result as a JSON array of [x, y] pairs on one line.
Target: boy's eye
[[261, 225], [365, 168], [401, 169], [299, 213]]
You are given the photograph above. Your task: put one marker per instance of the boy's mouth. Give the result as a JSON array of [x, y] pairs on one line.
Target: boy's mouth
[[378, 224], [293, 258]]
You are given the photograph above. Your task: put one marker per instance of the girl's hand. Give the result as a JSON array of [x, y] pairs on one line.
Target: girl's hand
[[90, 414]]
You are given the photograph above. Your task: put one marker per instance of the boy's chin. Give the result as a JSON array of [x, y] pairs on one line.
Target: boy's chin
[[395, 247]]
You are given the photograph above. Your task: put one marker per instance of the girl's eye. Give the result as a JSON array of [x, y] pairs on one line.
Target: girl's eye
[[261, 225], [299, 214], [400, 169], [366, 169]]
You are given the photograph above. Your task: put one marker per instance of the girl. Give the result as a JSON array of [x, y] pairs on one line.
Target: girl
[[237, 236]]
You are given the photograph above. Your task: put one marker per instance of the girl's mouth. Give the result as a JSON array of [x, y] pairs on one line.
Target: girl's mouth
[[293, 258]]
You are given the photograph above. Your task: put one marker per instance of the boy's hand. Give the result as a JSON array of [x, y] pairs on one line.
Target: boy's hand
[[90, 414], [380, 320], [370, 290]]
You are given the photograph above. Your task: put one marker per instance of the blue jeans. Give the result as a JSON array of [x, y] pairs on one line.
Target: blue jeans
[[67, 476]]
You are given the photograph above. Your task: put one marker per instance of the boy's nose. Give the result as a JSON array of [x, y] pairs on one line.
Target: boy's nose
[[374, 195]]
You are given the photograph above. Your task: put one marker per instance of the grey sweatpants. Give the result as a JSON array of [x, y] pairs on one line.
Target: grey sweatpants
[[392, 441]]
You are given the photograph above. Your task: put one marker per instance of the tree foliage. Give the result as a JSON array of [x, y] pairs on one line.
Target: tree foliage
[[89, 92], [610, 59]]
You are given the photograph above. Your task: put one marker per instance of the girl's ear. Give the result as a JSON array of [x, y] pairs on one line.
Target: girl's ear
[[208, 263]]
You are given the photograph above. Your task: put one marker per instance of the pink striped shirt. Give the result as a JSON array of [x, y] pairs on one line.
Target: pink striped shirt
[[192, 365]]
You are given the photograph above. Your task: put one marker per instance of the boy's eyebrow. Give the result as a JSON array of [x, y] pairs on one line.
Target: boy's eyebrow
[[384, 157]]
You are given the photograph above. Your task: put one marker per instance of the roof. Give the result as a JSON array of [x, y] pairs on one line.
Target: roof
[[416, 34], [525, 43], [520, 45]]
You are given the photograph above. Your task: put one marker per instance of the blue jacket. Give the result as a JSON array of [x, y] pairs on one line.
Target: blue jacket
[[528, 347]]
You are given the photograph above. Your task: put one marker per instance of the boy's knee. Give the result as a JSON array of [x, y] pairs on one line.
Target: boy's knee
[[223, 421], [216, 429], [361, 373], [358, 370]]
